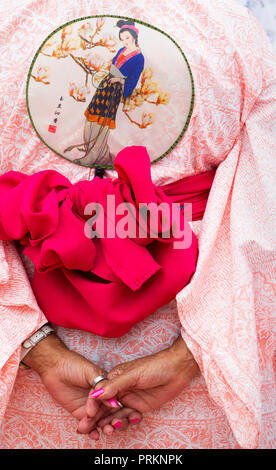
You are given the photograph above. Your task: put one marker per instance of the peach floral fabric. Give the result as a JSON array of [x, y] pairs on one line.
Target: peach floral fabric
[[225, 314]]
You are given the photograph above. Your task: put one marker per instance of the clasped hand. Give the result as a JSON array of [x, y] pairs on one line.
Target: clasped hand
[[140, 385]]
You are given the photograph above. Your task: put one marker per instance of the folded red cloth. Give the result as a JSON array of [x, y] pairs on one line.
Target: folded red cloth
[[108, 283]]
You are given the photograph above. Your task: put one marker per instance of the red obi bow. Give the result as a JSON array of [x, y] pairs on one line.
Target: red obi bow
[[104, 284]]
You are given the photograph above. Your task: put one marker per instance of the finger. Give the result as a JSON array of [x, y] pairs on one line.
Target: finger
[[96, 411], [119, 415], [135, 417], [95, 435], [120, 424], [108, 430], [110, 402], [122, 413], [110, 388], [92, 405], [86, 425], [117, 425], [80, 412], [102, 413], [88, 428]]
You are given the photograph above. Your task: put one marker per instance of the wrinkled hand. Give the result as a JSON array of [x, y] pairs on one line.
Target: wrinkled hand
[[149, 382], [68, 377]]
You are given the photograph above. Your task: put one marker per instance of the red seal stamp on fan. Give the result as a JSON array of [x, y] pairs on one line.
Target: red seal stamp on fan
[[100, 83], [52, 128]]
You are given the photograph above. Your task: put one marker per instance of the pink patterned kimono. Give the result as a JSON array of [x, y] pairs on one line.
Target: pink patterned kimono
[[225, 313]]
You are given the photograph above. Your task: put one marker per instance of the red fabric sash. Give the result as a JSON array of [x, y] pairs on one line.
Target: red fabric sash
[[103, 285], [191, 189]]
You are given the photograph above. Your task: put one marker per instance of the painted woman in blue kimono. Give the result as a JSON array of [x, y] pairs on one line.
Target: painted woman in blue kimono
[[125, 71]]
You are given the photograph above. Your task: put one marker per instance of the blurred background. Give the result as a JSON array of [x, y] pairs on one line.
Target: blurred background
[[265, 11]]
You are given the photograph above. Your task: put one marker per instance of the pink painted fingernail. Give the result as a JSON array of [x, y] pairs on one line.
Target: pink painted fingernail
[[117, 425], [113, 402], [97, 393], [134, 420]]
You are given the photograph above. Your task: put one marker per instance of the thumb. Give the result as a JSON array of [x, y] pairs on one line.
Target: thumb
[[118, 382], [91, 371]]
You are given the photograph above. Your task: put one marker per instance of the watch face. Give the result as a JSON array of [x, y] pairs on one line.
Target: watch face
[[101, 83]]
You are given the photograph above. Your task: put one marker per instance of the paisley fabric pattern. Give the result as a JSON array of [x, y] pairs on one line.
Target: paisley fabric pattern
[[226, 313]]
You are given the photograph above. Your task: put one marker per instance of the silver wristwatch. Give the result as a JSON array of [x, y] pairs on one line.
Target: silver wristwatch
[[29, 343], [40, 334]]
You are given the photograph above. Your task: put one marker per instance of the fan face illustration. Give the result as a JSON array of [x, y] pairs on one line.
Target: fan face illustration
[[101, 83], [97, 79]]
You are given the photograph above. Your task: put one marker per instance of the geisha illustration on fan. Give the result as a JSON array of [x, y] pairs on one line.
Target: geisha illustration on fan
[[93, 89], [125, 70]]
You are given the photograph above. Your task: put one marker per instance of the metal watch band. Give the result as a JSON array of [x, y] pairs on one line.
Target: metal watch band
[[40, 334]]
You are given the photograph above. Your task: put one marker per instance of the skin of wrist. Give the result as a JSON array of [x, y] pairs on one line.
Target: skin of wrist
[[180, 355], [46, 354]]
